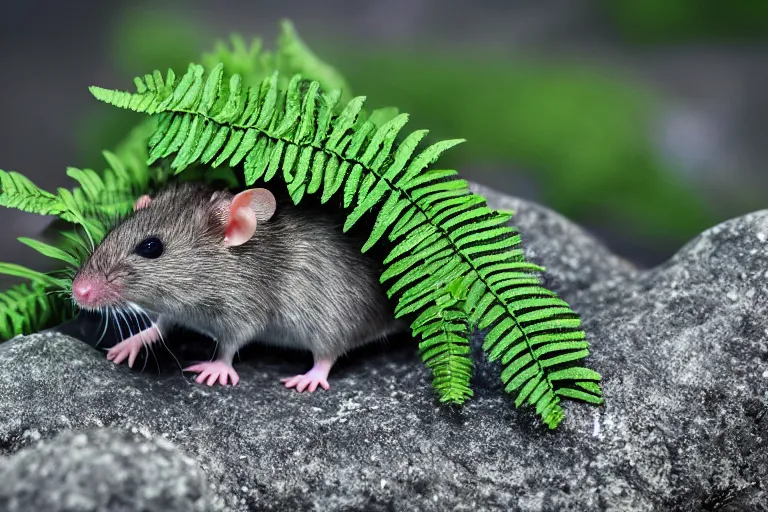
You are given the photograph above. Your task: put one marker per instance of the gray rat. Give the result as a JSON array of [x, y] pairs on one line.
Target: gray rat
[[238, 268]]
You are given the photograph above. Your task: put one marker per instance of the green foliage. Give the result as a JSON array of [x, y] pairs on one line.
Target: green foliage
[[29, 308], [577, 131], [453, 264], [685, 20], [581, 134], [147, 39]]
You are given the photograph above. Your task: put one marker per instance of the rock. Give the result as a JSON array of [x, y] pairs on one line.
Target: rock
[[574, 259], [682, 349], [102, 469]]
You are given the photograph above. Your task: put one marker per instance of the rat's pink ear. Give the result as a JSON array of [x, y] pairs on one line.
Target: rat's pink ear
[[142, 202], [245, 210]]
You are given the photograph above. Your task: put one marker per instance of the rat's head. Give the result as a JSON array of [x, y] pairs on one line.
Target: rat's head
[[169, 246]]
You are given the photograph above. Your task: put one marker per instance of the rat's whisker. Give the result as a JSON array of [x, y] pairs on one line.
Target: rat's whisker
[[148, 346], [141, 316], [128, 325], [138, 313], [215, 349], [162, 340], [105, 319], [120, 329], [144, 343]]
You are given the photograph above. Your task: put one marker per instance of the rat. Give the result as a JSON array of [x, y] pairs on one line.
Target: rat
[[238, 267]]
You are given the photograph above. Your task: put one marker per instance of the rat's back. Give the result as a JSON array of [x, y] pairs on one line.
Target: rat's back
[[298, 282], [323, 293]]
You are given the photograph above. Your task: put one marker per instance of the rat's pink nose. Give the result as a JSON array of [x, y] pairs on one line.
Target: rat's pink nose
[[87, 291], [92, 291], [82, 291]]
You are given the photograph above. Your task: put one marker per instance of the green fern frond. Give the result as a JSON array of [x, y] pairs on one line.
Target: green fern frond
[[25, 309], [28, 308], [40, 278], [18, 191], [454, 262], [445, 350], [51, 251]]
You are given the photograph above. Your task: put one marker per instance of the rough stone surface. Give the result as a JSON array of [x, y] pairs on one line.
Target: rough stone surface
[[683, 350], [102, 469]]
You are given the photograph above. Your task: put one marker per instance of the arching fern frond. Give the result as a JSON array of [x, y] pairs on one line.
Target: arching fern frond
[[17, 191], [445, 241]]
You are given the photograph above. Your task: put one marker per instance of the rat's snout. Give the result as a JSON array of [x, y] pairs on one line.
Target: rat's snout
[[91, 292], [82, 292]]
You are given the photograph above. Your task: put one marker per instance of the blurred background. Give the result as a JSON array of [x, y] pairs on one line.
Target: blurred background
[[642, 120]]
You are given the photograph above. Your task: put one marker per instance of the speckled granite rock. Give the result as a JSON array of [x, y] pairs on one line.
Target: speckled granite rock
[[683, 350], [102, 469]]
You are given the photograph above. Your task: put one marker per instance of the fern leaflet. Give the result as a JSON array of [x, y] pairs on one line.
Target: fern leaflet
[[29, 308]]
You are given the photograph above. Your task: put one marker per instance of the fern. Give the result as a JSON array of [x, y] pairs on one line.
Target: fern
[[453, 263], [29, 308]]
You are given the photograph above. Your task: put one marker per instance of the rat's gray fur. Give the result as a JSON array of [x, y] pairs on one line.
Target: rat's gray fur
[[299, 282]]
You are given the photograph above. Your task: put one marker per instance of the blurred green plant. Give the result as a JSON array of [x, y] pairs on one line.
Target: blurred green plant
[[140, 38], [657, 21], [582, 134]]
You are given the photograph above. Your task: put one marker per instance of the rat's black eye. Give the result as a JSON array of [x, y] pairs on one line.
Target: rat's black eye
[[151, 247]]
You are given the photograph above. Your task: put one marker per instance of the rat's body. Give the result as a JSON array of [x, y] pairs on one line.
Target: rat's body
[[239, 269]]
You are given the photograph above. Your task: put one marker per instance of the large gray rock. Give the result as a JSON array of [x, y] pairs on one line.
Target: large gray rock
[[683, 350]]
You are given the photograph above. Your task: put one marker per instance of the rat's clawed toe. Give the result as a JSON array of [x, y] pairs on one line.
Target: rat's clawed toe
[[130, 347], [317, 376], [306, 381], [125, 349], [214, 371]]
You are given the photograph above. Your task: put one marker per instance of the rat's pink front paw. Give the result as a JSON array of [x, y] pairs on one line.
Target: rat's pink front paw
[[130, 347], [317, 376], [214, 370]]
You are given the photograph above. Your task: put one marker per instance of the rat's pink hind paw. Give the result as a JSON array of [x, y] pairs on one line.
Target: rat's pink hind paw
[[214, 370], [317, 376], [130, 347]]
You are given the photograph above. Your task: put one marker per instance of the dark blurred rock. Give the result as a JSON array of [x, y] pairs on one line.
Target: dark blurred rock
[[102, 469], [683, 350]]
